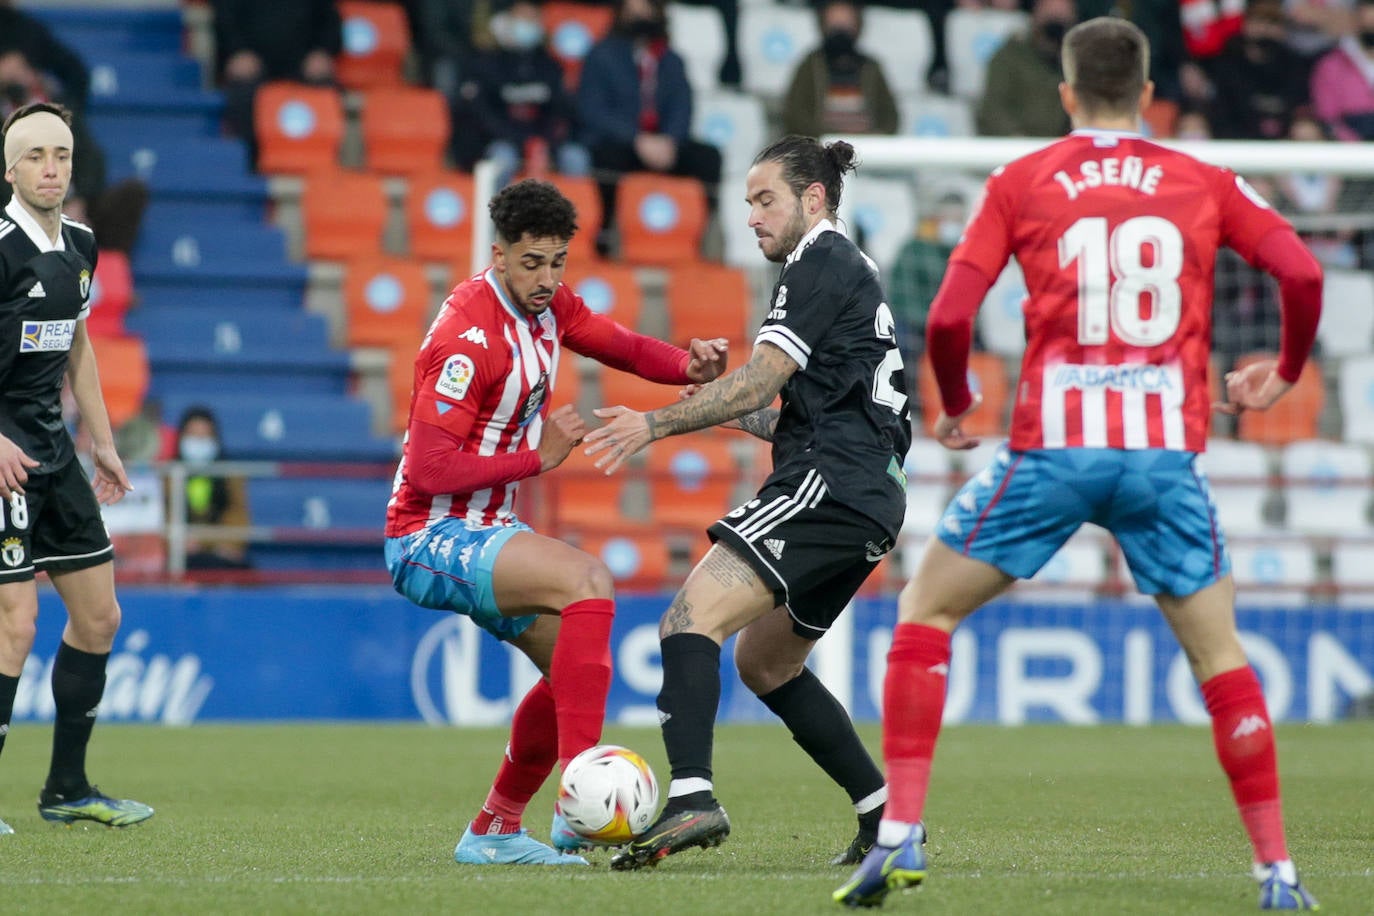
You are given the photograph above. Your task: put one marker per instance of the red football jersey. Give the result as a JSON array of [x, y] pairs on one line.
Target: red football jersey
[[1117, 237]]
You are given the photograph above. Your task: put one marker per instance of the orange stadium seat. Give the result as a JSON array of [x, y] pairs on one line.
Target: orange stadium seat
[[987, 375], [584, 499], [387, 300], [439, 213], [1292, 419], [586, 200], [572, 29], [661, 218], [691, 480], [405, 130], [400, 378], [567, 386], [124, 376], [299, 128], [710, 300], [635, 558], [112, 292], [607, 289], [344, 214], [376, 40], [627, 389]]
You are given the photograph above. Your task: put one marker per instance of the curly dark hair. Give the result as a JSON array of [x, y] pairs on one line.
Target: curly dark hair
[[532, 207]]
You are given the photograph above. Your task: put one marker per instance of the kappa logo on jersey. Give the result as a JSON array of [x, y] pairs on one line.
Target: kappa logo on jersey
[[1248, 726], [12, 552], [455, 377], [37, 291], [47, 336], [476, 335], [775, 546]]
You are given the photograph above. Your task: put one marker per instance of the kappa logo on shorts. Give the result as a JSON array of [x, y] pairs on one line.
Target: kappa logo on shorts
[[12, 552], [775, 546], [47, 336], [455, 377]]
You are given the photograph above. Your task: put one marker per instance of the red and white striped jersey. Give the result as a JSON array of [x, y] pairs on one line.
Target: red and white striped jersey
[[1117, 238], [484, 373]]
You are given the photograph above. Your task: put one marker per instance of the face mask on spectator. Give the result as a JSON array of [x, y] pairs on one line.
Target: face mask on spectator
[[839, 43], [199, 449], [1054, 31], [647, 28], [515, 33], [1367, 39]]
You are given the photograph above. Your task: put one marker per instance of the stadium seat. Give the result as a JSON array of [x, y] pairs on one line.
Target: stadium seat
[[572, 29], [182, 167], [1352, 571], [1074, 573], [772, 39], [405, 130], [318, 504], [1277, 572], [269, 427], [697, 33], [972, 36], [987, 375], [1347, 322], [376, 40], [387, 300], [883, 211], [141, 78], [1001, 323], [123, 27], [299, 128], [923, 115], [637, 559], [1295, 417], [691, 480], [927, 469], [733, 122], [344, 214], [230, 252], [567, 385], [112, 292], [708, 300], [1327, 487], [901, 41], [607, 289], [1356, 385], [741, 244], [586, 500], [439, 213], [1238, 474], [586, 201], [400, 378], [661, 218], [629, 390], [124, 376]]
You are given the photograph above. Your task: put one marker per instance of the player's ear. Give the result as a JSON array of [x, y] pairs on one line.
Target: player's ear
[[1147, 95], [498, 257], [813, 198], [1068, 99]]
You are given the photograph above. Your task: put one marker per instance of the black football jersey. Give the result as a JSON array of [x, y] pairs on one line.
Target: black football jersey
[[846, 411], [42, 296]]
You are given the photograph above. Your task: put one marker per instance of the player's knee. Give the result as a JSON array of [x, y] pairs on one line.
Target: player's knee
[[762, 675], [97, 624], [592, 580], [923, 606]]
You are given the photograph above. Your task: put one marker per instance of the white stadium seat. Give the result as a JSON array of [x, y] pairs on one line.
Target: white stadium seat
[[901, 42], [971, 38], [741, 245], [733, 122], [1238, 473], [698, 34], [1074, 573], [927, 468], [1326, 487], [1273, 572], [1000, 320], [1356, 387], [1347, 322], [884, 211], [933, 116], [772, 39]]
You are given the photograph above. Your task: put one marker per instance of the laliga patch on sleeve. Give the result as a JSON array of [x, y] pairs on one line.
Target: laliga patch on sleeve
[[455, 377]]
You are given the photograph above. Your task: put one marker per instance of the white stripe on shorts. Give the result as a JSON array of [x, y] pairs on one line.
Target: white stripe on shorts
[[808, 496]]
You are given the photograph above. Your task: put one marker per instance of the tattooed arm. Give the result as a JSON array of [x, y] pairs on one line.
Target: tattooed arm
[[760, 423]]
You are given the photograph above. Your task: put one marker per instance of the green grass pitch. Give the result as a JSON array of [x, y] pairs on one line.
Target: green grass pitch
[[363, 819]]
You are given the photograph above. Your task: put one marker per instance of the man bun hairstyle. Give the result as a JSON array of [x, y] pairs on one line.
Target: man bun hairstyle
[[805, 162], [1106, 62], [534, 208]]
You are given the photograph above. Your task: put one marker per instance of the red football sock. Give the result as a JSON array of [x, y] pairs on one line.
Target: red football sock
[[581, 674], [913, 703], [529, 757], [1244, 740]]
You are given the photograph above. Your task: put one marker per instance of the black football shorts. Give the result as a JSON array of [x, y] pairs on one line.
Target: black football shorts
[[55, 526]]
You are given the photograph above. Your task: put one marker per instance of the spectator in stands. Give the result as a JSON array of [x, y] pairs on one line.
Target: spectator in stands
[[1317, 194], [730, 72], [1192, 124], [210, 499], [113, 212], [837, 88], [450, 33], [21, 32], [261, 40], [1342, 83], [1259, 80], [1021, 96], [1316, 26], [635, 106], [512, 103]]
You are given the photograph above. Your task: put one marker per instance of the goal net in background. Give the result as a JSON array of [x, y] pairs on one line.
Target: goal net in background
[[1292, 484]]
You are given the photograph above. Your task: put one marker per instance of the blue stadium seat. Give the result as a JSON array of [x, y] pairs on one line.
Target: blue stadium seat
[[89, 30], [185, 211], [314, 557], [108, 124], [195, 167], [256, 339], [141, 80], [211, 301], [183, 382], [318, 503], [298, 427], [245, 252]]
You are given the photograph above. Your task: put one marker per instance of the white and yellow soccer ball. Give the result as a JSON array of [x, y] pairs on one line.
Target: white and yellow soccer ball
[[608, 794]]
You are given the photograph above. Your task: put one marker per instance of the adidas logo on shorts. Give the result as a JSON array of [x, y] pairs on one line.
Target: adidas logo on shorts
[[775, 546]]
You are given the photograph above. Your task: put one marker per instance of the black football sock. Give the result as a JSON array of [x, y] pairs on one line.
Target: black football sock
[[687, 708], [78, 682], [824, 730], [9, 686]]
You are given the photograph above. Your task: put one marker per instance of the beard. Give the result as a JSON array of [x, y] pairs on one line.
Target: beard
[[791, 236]]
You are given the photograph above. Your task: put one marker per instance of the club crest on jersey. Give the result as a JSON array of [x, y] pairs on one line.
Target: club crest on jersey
[[46, 336], [84, 282], [535, 399], [455, 377], [12, 552]]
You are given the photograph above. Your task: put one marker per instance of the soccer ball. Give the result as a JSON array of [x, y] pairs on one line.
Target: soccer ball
[[608, 794]]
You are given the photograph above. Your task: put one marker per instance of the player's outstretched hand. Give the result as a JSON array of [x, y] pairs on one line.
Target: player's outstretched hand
[[1255, 387], [563, 431], [949, 430], [708, 359], [627, 433], [14, 468], [110, 482]]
